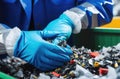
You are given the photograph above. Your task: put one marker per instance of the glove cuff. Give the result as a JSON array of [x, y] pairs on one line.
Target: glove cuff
[[75, 19], [9, 38]]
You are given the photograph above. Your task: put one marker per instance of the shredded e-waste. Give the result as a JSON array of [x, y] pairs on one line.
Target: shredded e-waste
[[84, 64]]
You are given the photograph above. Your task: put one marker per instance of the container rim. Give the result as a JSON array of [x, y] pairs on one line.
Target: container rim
[[106, 30]]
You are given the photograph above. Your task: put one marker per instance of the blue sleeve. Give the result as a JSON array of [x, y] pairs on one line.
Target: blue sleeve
[[94, 12], [4, 26]]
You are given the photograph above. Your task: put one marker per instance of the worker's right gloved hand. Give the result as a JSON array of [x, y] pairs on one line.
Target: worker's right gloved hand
[[34, 49]]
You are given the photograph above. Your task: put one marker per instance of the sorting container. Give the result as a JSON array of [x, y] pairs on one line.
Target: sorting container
[[5, 76], [98, 37]]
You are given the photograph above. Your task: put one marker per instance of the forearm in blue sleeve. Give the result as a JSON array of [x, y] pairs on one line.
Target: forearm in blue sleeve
[[91, 13]]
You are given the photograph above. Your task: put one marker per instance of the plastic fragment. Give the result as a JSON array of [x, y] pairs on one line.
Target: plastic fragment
[[94, 54]]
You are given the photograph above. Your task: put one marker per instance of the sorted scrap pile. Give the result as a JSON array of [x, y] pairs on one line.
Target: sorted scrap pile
[[84, 64]]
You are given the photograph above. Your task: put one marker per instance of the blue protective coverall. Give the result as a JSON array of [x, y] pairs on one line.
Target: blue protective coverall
[[55, 19]]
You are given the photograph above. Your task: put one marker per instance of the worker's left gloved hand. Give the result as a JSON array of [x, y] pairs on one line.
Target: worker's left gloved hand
[[33, 47], [63, 25]]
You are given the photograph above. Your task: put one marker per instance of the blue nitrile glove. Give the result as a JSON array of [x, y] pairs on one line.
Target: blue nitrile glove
[[34, 49], [63, 25]]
